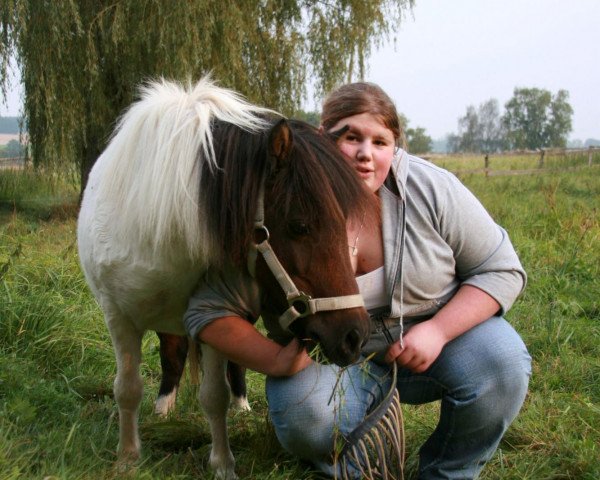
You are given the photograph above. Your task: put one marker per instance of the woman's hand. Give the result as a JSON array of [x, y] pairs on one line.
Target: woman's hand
[[422, 345], [291, 359]]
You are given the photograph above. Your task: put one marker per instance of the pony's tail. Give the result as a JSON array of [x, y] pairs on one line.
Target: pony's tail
[[153, 163]]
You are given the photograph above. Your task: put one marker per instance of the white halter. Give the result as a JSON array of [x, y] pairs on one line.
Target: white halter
[[300, 304]]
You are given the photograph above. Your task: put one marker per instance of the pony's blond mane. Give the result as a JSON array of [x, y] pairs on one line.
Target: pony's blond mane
[[153, 163]]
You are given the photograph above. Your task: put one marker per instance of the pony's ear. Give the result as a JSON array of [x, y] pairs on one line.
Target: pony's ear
[[280, 142]]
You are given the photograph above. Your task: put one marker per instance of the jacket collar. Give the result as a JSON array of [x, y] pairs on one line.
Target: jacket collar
[[397, 177]]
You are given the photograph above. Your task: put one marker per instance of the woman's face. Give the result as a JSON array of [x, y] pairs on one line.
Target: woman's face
[[369, 146]]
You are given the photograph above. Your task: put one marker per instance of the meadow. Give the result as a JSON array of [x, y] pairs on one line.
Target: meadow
[[58, 419]]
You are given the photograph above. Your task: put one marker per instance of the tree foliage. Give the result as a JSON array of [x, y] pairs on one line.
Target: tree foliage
[[81, 60], [415, 139], [13, 149], [480, 130], [534, 118], [418, 141], [312, 117]]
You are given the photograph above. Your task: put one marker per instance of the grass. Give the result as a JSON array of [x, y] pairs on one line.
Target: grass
[[58, 419]]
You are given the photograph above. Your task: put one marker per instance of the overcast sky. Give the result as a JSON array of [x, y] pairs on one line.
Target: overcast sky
[[451, 54]]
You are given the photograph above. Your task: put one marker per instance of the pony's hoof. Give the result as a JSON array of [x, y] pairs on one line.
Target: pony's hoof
[[240, 404], [223, 466], [226, 475], [126, 465], [165, 404]]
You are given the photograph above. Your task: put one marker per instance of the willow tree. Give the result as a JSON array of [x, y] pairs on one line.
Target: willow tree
[[81, 61]]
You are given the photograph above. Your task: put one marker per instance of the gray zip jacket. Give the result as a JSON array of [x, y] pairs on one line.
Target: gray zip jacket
[[436, 237]]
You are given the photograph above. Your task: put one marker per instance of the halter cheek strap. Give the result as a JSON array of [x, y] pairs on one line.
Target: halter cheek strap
[[300, 304]]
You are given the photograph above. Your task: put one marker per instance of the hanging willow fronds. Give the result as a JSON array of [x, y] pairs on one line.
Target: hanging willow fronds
[[81, 60]]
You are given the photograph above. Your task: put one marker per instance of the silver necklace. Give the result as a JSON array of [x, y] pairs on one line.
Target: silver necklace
[[355, 246]]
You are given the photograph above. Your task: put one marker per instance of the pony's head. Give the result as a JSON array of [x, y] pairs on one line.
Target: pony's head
[[310, 193]]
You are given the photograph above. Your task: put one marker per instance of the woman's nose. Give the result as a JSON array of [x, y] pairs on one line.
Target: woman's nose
[[364, 151]]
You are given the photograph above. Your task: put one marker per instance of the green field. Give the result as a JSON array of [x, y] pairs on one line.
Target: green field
[[503, 162], [59, 421]]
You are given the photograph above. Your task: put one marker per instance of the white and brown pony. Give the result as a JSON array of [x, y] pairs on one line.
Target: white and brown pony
[[175, 193]]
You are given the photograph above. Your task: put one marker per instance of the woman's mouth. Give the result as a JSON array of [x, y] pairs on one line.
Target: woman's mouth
[[364, 172]]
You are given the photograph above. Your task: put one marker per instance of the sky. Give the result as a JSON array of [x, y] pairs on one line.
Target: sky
[[452, 54]]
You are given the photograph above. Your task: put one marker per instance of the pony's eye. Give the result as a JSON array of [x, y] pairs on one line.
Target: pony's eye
[[298, 229]]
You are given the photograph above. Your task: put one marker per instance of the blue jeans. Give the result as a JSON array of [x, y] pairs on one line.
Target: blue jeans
[[480, 377]]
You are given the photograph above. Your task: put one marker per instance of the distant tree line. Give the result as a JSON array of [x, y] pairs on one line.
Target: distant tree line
[[590, 142], [417, 140], [533, 118], [13, 149]]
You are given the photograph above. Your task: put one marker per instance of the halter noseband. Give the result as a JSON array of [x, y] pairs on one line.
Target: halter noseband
[[300, 304]]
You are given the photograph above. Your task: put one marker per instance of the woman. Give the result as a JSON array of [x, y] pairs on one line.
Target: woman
[[437, 274]]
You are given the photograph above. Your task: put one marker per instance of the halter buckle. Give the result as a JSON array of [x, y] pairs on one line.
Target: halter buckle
[[301, 304], [261, 234]]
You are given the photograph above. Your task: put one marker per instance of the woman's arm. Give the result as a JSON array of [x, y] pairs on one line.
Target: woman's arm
[[424, 342], [243, 344]]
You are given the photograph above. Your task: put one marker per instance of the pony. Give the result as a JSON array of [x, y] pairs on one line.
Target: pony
[[189, 181]]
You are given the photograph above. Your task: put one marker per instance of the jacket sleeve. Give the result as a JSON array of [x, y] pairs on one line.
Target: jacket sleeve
[[484, 255], [222, 294]]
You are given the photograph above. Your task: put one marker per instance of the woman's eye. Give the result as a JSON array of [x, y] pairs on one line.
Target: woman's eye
[[298, 229]]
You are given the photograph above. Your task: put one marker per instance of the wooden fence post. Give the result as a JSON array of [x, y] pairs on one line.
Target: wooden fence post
[[486, 164], [541, 161], [590, 156]]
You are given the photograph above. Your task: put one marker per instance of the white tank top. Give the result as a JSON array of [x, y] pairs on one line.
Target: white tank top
[[372, 287]]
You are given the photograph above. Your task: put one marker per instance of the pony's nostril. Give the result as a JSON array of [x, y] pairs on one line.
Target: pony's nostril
[[353, 340]]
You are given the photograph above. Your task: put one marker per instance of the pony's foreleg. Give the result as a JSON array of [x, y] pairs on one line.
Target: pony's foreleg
[[173, 351], [214, 399], [128, 387], [236, 375]]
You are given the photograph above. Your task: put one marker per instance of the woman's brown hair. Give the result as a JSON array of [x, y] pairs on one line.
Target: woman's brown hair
[[361, 97]]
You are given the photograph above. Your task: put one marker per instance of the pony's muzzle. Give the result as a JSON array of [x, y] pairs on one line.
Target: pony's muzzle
[[341, 334]]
